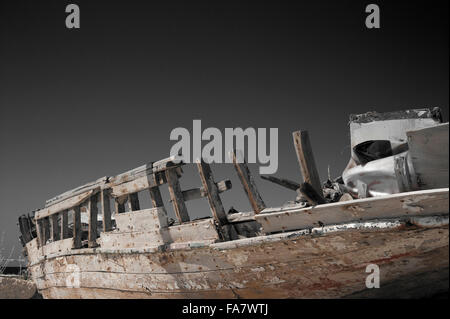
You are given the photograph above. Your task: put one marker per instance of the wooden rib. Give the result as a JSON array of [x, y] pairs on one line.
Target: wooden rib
[[25, 228], [311, 195], [155, 196], [46, 229], [77, 230], [282, 182], [54, 227], [247, 181], [305, 158], [64, 224], [92, 211], [66, 204], [106, 210], [176, 196], [212, 192], [133, 202], [40, 232]]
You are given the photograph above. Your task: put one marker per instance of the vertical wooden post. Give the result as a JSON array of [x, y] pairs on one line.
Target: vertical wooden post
[[46, 229], [77, 231], [212, 192], [40, 232], [176, 196], [25, 229], [247, 181], [155, 195], [54, 227], [64, 224], [106, 210], [306, 160], [119, 206], [133, 202], [92, 220]]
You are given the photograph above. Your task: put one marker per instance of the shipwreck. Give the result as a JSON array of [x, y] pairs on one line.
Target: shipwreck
[[389, 208]]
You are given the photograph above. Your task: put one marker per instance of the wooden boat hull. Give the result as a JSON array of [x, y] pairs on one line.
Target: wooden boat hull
[[413, 262]]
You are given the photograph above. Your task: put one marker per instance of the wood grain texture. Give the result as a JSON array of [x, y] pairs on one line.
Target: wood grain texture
[[210, 187], [77, 229], [247, 181], [176, 196], [306, 160]]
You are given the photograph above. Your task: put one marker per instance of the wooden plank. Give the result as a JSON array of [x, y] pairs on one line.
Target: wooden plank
[[419, 203], [40, 232], [311, 195], [138, 185], [92, 211], [54, 227], [25, 228], [282, 182], [77, 230], [46, 229], [133, 202], [176, 196], [64, 224], [106, 210], [66, 204], [145, 170], [247, 181], [155, 196], [305, 158], [142, 220], [215, 203], [197, 193], [77, 191]]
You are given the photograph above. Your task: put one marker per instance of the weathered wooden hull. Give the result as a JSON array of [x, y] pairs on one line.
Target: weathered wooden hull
[[413, 262]]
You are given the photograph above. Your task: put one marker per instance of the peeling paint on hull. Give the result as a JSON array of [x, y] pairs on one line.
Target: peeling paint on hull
[[328, 265]]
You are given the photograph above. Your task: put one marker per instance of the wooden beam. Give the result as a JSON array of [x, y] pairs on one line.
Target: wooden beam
[[77, 191], [282, 182], [40, 232], [145, 170], [311, 195], [247, 181], [25, 228], [54, 227], [212, 192], [65, 204], [77, 230], [133, 202], [306, 160], [106, 210], [176, 196], [155, 196], [402, 205], [64, 224], [138, 184], [92, 211], [46, 229]]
